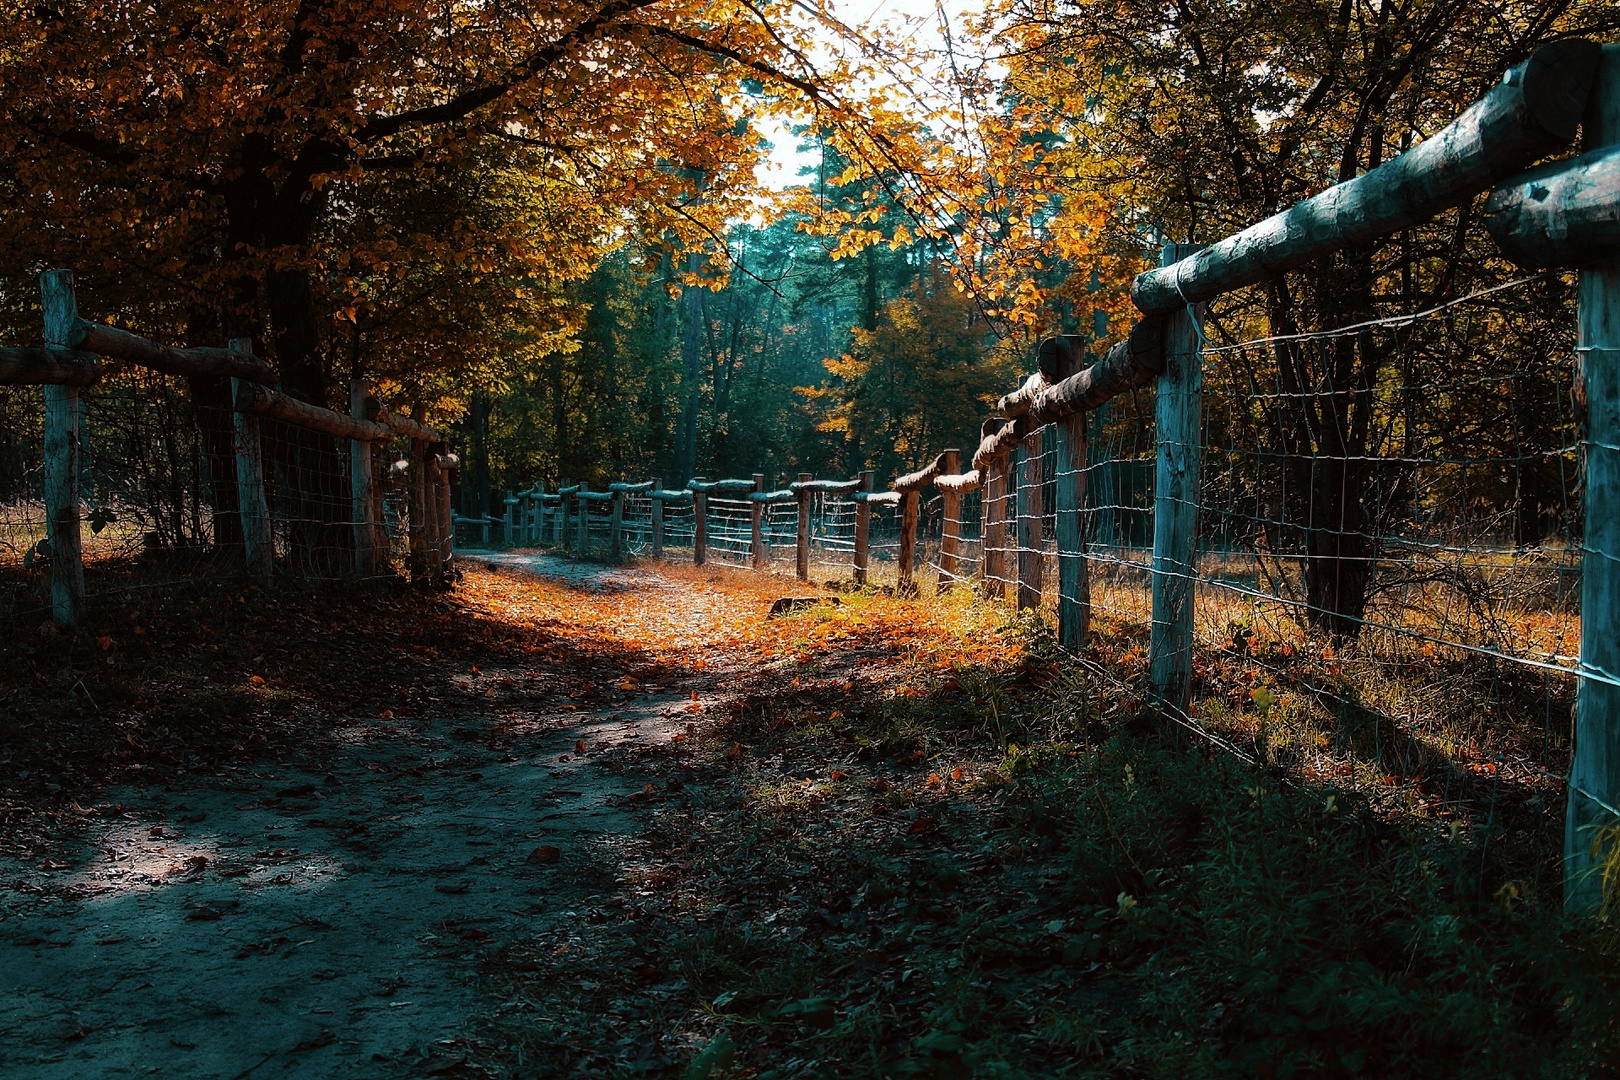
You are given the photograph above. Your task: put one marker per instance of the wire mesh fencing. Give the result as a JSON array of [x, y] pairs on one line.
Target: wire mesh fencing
[[159, 498]]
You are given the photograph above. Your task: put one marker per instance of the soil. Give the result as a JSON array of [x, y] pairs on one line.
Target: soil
[[324, 915]]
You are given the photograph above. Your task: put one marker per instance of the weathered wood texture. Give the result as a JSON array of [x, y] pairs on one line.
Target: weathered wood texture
[[960, 483], [63, 446], [258, 550], [582, 527], [414, 429], [1563, 214], [656, 509], [1136, 361], [1179, 410], [421, 531], [1031, 511], [1535, 110], [950, 529], [446, 464], [721, 487], [878, 498], [756, 522], [700, 526], [1074, 587], [801, 545], [863, 528], [827, 487], [1594, 776], [360, 490], [61, 367], [907, 558], [638, 488], [264, 401], [916, 481], [993, 541], [134, 349], [616, 523]]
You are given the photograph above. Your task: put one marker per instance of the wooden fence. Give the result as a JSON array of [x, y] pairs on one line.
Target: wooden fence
[[71, 361], [1566, 214]]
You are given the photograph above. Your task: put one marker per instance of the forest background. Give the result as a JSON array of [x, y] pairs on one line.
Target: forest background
[[544, 222]]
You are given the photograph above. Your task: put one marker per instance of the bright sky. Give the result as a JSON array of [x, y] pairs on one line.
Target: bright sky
[[917, 20]]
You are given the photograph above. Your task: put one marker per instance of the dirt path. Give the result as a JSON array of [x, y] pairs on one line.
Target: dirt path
[[323, 917]]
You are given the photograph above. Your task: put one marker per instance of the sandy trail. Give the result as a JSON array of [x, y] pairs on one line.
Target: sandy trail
[[322, 917]]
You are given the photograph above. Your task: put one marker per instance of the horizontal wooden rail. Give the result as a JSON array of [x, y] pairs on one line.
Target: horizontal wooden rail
[[879, 498], [632, 489], [920, 479], [571, 489], [594, 496], [134, 349], [404, 424], [826, 487], [55, 367], [666, 495], [785, 495], [720, 486], [958, 483], [1535, 110], [1564, 214], [263, 401]]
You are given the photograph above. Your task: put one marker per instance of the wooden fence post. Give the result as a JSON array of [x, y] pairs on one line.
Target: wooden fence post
[[1178, 414], [657, 512], [63, 446], [447, 529], [1031, 511], [582, 527], [909, 501], [993, 532], [257, 545], [509, 534], [950, 529], [559, 524], [1594, 773], [616, 528], [1074, 591], [361, 482], [700, 527], [756, 521], [802, 547], [863, 529], [421, 533]]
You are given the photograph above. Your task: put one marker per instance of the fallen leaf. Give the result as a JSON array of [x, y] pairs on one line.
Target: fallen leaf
[[545, 855]]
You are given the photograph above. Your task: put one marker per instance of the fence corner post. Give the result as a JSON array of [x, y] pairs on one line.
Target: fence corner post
[[950, 529], [1074, 586], [863, 528], [1594, 768], [756, 522], [1177, 421], [1031, 538], [64, 423], [801, 548]]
